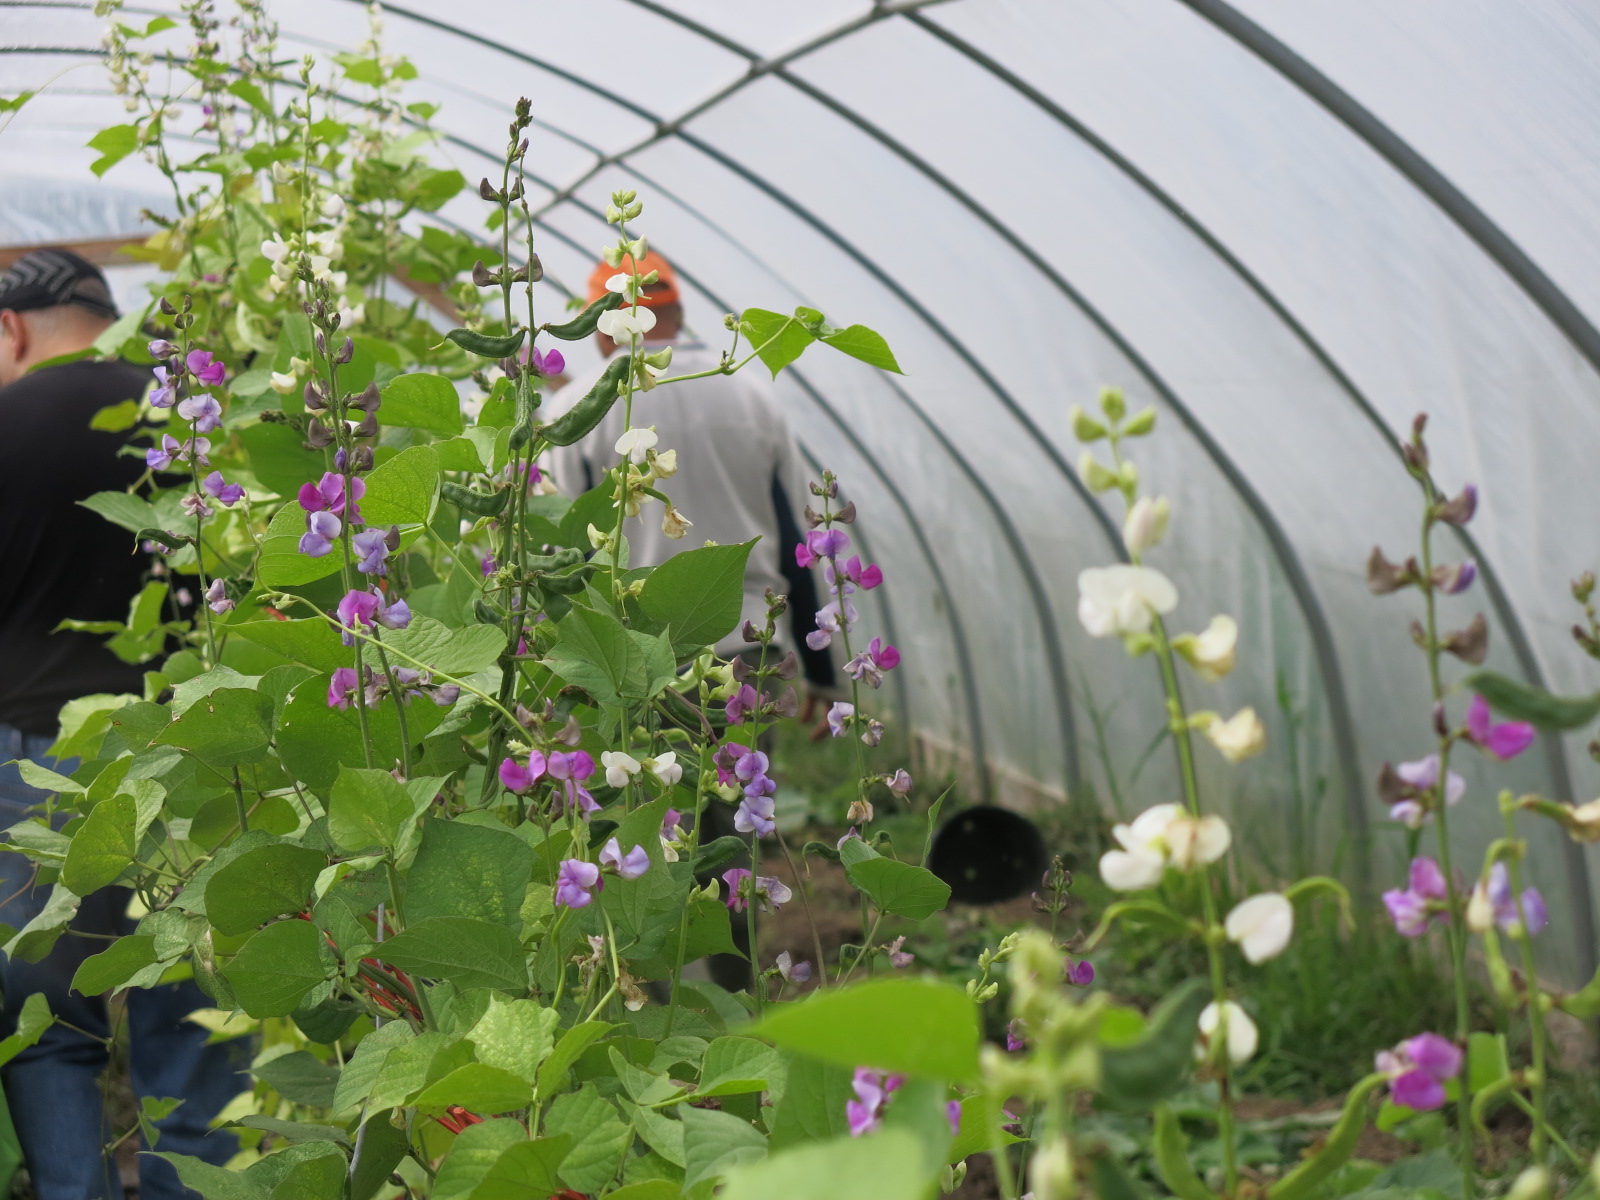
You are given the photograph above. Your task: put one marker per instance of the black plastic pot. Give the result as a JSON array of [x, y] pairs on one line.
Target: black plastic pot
[[988, 855]]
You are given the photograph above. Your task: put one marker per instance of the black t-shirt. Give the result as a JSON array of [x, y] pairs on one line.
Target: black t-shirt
[[58, 560]]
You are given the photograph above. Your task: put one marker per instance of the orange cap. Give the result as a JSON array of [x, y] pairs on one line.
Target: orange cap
[[663, 291]]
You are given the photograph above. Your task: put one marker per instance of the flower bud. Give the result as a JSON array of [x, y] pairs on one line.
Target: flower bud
[[1470, 645], [1480, 912], [361, 459], [482, 276], [1141, 423], [1096, 477], [346, 351], [1240, 737], [1458, 510], [1384, 576], [1084, 427], [318, 436], [1113, 404], [488, 191], [1534, 1184], [1050, 1174], [1583, 587], [1146, 524], [1212, 653]]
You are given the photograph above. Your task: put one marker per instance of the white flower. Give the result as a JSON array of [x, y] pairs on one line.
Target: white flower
[[1262, 925], [1240, 737], [1131, 870], [1146, 523], [623, 282], [619, 767], [626, 325], [275, 249], [1197, 841], [664, 767], [327, 242], [1480, 912], [674, 524], [665, 464], [1122, 599], [1241, 1031], [333, 207], [284, 382], [1211, 653], [1584, 821], [635, 442]]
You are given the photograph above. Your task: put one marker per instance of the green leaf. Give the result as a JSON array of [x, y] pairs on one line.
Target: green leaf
[[294, 1131], [281, 564], [1524, 702], [472, 1155], [311, 1170], [1487, 1060], [895, 887], [464, 870], [228, 728], [715, 1142], [104, 846], [1139, 1073], [13, 103], [251, 95], [885, 1166], [214, 1183], [404, 490], [478, 1088], [553, 1074], [262, 885], [515, 1035], [302, 1078], [114, 143], [311, 641], [423, 401], [860, 342], [593, 651], [777, 339], [130, 512], [734, 1065], [408, 1067], [355, 1082], [916, 1026], [383, 1147], [698, 594], [276, 968], [114, 966], [32, 1021], [525, 1169], [35, 939], [469, 953], [369, 808], [1173, 1160], [280, 460], [456, 652], [598, 1135], [812, 1107]]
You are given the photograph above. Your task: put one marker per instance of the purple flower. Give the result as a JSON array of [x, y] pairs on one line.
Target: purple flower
[[793, 972], [1506, 740], [868, 577], [759, 787], [159, 458], [803, 555], [768, 890], [1418, 1069], [321, 529], [886, 657], [227, 493], [393, 616], [952, 1112], [899, 957], [547, 363], [162, 396], [852, 832], [1453, 580], [487, 566], [328, 494], [217, 597], [899, 783], [518, 778], [195, 505], [205, 368], [355, 612], [752, 764], [1080, 973], [575, 883], [371, 549], [838, 716], [755, 816], [741, 704], [1017, 1035], [631, 865], [1423, 774], [161, 348], [827, 543], [1415, 908], [341, 687], [872, 1089], [203, 410], [571, 767], [1504, 903]]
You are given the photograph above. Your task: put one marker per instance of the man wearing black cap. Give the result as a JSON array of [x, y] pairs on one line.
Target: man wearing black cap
[[58, 561]]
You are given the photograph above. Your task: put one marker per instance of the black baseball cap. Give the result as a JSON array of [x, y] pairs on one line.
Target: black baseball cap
[[53, 277]]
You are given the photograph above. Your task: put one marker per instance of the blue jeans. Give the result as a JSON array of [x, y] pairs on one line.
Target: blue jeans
[[53, 1087]]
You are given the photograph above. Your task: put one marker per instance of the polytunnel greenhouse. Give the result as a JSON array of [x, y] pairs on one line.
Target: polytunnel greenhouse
[[1288, 229]]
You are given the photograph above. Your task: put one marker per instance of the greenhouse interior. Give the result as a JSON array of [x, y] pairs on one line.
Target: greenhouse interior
[[1105, 633]]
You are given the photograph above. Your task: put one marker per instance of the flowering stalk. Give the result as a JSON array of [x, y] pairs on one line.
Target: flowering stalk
[[1521, 931], [1179, 725]]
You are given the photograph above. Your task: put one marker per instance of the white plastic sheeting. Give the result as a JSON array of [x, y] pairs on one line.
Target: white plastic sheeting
[[1289, 227]]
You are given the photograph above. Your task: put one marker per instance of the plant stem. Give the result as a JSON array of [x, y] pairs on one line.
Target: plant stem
[[1530, 971]]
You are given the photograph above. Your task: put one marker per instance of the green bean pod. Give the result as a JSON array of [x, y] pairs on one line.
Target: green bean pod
[[1172, 1158], [487, 345], [1341, 1144], [587, 413], [464, 498], [582, 325]]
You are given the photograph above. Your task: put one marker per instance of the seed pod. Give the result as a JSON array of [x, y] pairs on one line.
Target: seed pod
[[468, 500], [582, 325], [587, 413], [487, 345]]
